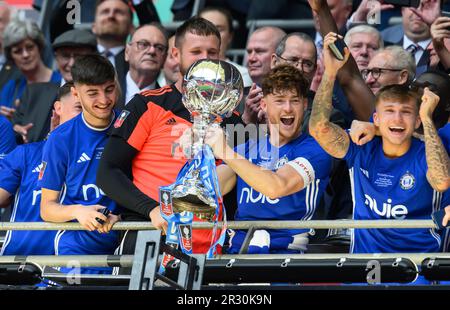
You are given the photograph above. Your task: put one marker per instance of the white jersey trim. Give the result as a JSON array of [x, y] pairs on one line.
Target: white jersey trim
[[305, 169]]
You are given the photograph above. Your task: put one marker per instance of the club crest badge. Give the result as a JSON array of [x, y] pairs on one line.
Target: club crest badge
[[407, 181]]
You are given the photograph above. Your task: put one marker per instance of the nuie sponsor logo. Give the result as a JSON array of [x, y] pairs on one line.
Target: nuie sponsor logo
[[257, 198], [398, 212], [92, 188]]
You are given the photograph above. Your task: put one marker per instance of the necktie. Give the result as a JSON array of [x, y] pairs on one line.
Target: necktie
[[107, 53], [413, 48]]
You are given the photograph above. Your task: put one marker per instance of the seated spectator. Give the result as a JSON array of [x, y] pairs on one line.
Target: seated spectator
[[222, 19], [145, 53], [391, 65], [70, 158], [395, 176], [279, 177], [32, 118], [19, 176], [23, 43], [171, 69]]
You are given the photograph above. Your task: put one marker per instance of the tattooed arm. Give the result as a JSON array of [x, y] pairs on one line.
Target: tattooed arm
[[438, 173], [333, 139]]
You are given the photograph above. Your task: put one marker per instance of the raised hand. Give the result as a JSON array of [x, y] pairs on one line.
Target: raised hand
[[429, 103], [331, 63]]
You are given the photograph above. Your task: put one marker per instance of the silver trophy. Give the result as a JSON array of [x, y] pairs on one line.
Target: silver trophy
[[211, 91]]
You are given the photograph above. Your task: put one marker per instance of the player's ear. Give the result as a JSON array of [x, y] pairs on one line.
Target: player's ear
[[263, 104], [376, 119], [417, 123], [273, 61], [57, 106], [74, 92], [176, 53]]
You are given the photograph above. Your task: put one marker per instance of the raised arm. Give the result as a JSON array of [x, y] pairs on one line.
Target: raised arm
[[359, 96], [439, 32], [438, 173], [333, 139]]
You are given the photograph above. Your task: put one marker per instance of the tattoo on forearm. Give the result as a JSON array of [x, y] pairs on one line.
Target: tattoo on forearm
[[331, 137], [436, 155]]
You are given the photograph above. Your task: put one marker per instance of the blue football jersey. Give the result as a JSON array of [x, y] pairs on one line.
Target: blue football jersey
[[8, 140], [444, 134], [70, 160], [19, 173], [391, 189], [304, 155]]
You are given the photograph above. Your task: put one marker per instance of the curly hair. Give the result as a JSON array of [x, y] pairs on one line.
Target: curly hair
[[284, 78]]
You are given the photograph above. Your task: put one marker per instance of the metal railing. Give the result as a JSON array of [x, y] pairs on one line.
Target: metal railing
[[320, 224]]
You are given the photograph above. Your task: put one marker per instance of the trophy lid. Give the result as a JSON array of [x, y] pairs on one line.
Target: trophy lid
[[212, 87]]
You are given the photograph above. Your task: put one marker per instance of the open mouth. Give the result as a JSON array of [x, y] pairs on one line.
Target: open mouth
[[396, 129], [287, 120]]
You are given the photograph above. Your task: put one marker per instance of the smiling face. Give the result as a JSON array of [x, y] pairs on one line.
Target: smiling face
[[97, 101], [284, 111], [396, 120]]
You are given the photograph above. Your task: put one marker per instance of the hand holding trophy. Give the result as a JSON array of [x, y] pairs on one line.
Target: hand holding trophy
[[211, 91]]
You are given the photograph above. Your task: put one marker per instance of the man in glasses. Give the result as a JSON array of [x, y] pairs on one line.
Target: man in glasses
[[392, 65], [145, 53]]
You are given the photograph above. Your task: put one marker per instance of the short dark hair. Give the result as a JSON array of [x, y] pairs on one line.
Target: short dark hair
[[64, 90], [124, 1], [198, 26], [402, 93], [285, 78], [92, 70], [222, 11]]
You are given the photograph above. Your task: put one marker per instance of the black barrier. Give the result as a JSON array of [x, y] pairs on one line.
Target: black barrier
[[20, 274], [436, 269]]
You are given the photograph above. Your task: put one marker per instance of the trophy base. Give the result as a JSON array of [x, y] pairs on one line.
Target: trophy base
[[191, 203]]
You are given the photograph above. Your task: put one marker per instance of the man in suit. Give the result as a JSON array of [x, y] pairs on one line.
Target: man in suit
[[112, 25], [414, 32], [145, 54], [32, 118]]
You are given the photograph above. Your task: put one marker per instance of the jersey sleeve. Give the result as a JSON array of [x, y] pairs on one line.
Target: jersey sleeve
[[444, 134], [8, 139], [11, 170], [134, 123], [352, 151], [55, 159], [311, 163]]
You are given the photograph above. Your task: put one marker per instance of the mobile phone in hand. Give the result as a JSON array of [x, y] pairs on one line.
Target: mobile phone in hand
[[338, 49]]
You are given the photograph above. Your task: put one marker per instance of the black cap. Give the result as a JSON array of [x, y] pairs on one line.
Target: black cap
[[75, 38]]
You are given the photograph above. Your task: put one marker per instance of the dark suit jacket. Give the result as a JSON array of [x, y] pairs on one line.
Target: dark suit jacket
[[120, 105], [9, 72], [36, 107], [394, 36], [121, 69]]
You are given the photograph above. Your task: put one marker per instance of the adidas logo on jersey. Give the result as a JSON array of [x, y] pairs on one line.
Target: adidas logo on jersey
[[171, 121], [38, 168], [83, 158]]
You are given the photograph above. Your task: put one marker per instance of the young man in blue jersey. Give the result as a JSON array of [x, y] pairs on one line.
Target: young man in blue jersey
[[70, 160], [393, 176], [19, 176], [280, 176]]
